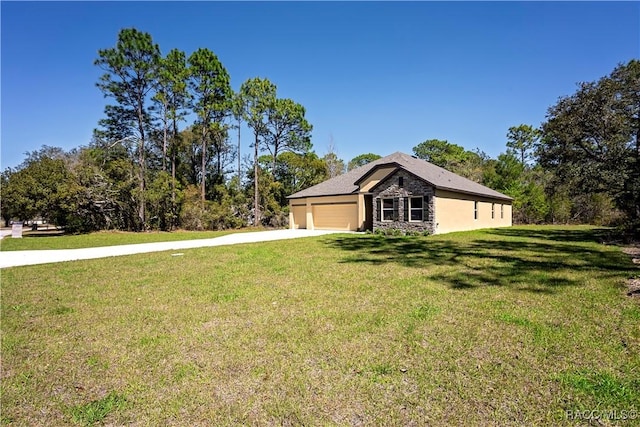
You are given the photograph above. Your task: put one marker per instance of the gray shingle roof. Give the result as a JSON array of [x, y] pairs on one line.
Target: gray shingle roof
[[439, 177]]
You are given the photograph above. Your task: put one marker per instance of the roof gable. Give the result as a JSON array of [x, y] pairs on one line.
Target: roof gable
[[349, 183], [392, 174], [375, 176]]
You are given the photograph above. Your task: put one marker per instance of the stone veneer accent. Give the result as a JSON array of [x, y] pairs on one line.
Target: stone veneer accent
[[412, 187]]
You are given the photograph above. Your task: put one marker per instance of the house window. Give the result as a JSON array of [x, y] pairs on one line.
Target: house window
[[415, 208], [387, 209], [493, 210], [475, 210], [401, 182], [501, 211]]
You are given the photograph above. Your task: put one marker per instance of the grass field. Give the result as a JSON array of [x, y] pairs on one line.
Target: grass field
[[496, 327], [43, 240]]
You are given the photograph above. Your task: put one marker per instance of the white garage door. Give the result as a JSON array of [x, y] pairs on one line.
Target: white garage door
[[336, 216], [299, 216]]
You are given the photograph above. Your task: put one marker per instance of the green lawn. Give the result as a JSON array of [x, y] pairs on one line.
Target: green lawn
[[43, 240], [495, 327]]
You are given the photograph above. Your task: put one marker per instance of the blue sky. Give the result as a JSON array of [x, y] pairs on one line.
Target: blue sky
[[374, 76]]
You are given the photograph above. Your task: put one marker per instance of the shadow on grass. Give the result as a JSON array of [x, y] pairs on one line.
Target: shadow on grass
[[593, 235], [43, 233], [563, 258]]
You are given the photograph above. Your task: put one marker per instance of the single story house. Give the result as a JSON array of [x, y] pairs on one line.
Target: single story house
[[399, 191]]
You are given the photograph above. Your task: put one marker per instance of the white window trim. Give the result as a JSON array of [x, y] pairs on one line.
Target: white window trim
[[411, 208], [476, 214], [382, 209]]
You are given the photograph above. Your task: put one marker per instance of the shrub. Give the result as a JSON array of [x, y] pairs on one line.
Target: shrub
[[224, 213]]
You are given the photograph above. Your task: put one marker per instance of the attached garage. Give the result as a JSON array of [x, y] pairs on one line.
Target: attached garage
[[299, 216], [335, 216], [399, 192], [325, 213]]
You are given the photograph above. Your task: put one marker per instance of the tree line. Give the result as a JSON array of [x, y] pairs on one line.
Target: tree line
[[166, 155], [163, 155], [582, 165]]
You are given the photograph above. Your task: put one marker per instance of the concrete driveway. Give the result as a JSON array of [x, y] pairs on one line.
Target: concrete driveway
[[19, 258]]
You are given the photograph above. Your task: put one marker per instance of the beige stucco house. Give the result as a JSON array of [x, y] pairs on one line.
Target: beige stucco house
[[399, 191]]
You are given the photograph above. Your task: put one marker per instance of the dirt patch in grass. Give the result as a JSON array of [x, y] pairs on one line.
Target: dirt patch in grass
[[633, 252], [634, 282], [634, 288]]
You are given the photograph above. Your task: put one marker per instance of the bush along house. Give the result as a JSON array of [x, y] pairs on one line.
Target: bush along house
[[399, 192]]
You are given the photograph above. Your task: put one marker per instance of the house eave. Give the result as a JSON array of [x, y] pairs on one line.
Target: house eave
[[474, 193], [294, 197], [439, 187]]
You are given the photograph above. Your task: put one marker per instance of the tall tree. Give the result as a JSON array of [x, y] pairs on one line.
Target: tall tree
[[362, 160], [452, 157], [441, 153], [256, 97], [130, 69], [625, 84], [335, 165], [287, 129], [509, 170], [299, 171], [223, 153], [172, 98], [473, 165], [211, 91], [521, 140], [508, 175], [237, 109], [592, 138], [189, 157]]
